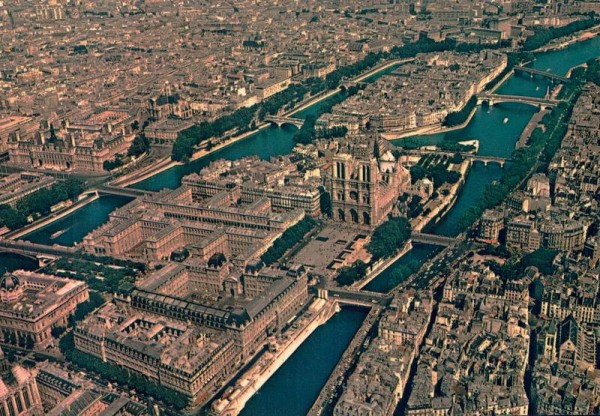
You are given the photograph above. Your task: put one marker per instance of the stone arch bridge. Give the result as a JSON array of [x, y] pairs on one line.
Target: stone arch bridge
[[280, 121]]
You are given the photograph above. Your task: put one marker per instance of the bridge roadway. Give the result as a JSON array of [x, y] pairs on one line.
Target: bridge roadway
[[437, 240], [281, 120], [32, 249], [116, 190], [470, 156], [533, 71], [358, 297], [485, 159], [501, 98]]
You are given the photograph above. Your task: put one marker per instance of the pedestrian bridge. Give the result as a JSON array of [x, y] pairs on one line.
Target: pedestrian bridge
[[280, 121], [492, 99]]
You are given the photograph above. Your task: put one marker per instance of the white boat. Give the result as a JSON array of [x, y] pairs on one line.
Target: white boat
[[505, 120], [57, 234]]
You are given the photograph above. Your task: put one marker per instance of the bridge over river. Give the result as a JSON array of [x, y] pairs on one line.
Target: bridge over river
[[434, 239], [358, 297], [32, 250], [281, 120], [470, 156], [116, 190], [545, 74], [492, 99]]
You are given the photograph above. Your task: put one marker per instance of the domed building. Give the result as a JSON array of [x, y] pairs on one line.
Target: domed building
[[10, 288]]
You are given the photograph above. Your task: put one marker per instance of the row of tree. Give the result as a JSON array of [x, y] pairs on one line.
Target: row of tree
[[183, 148], [542, 259], [386, 240], [352, 273], [543, 35], [388, 237], [288, 239], [438, 173], [39, 203], [84, 308]]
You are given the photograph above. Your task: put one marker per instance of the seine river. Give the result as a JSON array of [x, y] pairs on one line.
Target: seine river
[[295, 386]]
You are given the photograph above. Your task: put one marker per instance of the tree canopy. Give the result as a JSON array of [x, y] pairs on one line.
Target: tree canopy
[[39, 203], [287, 240], [389, 237], [544, 35]]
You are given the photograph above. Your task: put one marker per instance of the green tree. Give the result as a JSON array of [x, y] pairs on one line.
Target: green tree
[[351, 274], [389, 237], [139, 145], [417, 172], [287, 240]]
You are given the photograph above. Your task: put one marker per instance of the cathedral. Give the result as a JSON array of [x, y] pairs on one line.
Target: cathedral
[[365, 180]]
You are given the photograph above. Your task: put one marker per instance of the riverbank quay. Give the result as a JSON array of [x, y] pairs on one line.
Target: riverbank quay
[[531, 126], [380, 266], [439, 207], [333, 387], [233, 401], [309, 102], [580, 37], [42, 222], [326, 94], [144, 173], [498, 72], [429, 129]]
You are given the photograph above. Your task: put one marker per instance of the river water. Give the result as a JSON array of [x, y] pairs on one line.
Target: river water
[[10, 262], [294, 387], [71, 229]]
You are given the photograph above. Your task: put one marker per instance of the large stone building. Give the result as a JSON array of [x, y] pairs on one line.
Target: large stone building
[[19, 393], [82, 145], [492, 222], [151, 228], [15, 126], [363, 183], [31, 304], [280, 180], [17, 186], [66, 393], [181, 330]]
